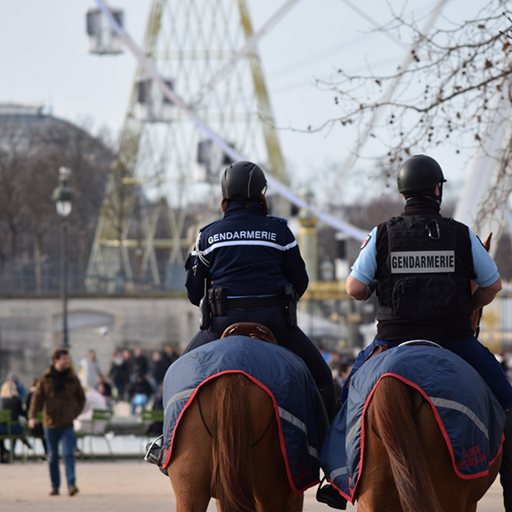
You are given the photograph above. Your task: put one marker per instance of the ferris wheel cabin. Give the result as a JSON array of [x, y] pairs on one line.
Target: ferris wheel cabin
[[153, 106], [101, 37]]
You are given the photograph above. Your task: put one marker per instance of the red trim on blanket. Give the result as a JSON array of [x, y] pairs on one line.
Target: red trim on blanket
[[439, 422], [167, 454]]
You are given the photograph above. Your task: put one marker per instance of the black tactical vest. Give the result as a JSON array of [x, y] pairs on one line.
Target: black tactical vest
[[425, 273]]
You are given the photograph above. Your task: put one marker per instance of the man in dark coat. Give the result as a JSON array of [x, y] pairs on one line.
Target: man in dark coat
[[60, 396]]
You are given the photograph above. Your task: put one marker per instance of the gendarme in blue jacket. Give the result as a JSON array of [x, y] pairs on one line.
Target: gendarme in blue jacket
[[252, 255], [247, 253]]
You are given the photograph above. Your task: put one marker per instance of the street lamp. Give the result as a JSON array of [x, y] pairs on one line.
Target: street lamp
[[63, 197]]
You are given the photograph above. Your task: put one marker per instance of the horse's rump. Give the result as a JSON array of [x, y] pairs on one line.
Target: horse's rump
[[397, 430], [408, 465], [279, 374], [467, 417], [227, 447]]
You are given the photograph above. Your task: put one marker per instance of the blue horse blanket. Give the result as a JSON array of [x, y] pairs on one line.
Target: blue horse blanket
[[467, 413], [299, 409]]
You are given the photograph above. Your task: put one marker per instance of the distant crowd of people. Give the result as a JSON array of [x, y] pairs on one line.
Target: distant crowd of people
[[135, 378], [132, 377]]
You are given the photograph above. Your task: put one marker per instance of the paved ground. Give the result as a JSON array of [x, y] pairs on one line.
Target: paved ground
[[121, 486], [126, 485]]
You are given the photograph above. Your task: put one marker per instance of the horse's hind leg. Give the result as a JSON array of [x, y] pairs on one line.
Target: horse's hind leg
[[190, 469]]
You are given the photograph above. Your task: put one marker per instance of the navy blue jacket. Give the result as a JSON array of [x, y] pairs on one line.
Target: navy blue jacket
[[247, 253]]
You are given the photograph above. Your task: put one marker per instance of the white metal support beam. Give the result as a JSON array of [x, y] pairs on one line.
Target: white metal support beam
[[228, 150], [483, 176]]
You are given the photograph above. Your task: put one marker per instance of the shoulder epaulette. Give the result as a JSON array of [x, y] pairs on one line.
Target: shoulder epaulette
[[280, 219], [208, 225]]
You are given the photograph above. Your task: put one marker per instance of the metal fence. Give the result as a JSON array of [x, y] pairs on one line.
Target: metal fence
[[22, 279], [336, 323]]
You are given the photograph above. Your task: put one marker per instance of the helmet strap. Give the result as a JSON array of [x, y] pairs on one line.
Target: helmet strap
[[440, 196], [437, 197]]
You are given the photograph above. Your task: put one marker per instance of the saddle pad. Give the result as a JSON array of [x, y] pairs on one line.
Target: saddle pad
[[299, 409], [467, 413]]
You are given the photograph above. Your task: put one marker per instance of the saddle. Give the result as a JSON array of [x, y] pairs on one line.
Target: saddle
[[378, 349], [251, 330]]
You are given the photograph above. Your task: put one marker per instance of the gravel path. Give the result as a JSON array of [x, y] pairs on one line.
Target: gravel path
[[121, 486]]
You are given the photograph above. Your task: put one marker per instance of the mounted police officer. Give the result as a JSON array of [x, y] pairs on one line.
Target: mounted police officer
[[422, 265], [247, 267]]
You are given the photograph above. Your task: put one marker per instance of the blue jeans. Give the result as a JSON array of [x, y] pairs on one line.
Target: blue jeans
[[67, 437], [472, 351]]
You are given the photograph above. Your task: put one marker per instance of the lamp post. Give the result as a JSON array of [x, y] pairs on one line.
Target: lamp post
[[63, 197]]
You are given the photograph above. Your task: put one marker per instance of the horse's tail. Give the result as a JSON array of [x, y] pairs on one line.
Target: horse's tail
[[394, 423], [231, 432]]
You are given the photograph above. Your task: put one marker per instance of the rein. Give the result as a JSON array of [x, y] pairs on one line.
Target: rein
[[211, 435], [202, 416]]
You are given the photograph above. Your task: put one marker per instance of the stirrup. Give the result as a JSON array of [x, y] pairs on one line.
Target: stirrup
[[330, 496], [155, 453]]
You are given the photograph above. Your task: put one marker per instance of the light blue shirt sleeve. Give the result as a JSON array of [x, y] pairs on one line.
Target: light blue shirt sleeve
[[486, 270], [365, 266]]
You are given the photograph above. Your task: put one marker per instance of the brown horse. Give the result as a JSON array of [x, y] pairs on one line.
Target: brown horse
[[407, 465], [227, 446]]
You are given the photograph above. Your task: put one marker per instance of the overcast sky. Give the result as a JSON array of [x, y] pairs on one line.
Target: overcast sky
[[44, 61]]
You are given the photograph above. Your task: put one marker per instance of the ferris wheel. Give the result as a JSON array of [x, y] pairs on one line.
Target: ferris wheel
[[198, 101], [190, 65]]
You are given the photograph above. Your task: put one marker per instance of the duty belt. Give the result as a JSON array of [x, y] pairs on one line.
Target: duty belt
[[220, 304], [254, 302]]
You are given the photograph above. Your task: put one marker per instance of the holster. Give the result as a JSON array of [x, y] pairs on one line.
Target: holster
[[218, 301]]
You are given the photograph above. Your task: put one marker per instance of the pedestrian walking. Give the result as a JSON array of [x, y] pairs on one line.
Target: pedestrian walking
[[60, 396]]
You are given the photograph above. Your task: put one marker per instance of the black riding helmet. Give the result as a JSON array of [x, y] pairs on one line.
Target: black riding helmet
[[418, 176], [242, 181]]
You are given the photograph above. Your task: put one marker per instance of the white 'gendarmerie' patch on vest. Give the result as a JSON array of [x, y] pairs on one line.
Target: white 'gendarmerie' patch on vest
[[427, 262]]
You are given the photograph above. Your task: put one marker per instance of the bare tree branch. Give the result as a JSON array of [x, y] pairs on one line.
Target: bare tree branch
[[447, 96]]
